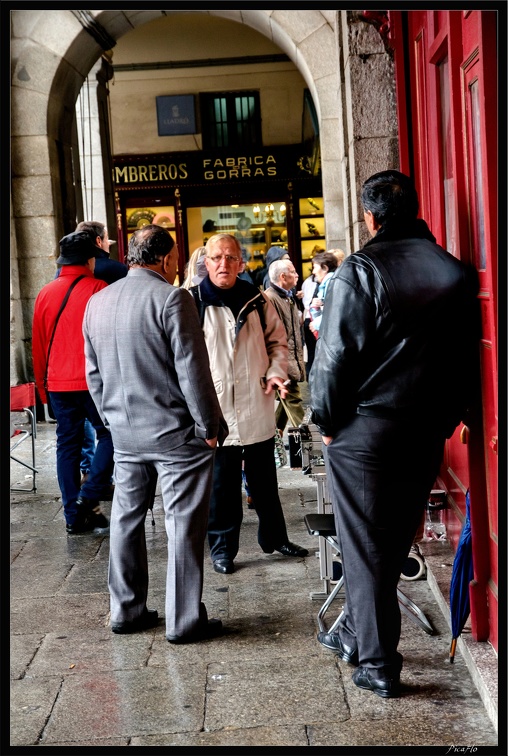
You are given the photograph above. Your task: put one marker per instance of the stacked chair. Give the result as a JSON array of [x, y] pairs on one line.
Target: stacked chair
[[24, 428]]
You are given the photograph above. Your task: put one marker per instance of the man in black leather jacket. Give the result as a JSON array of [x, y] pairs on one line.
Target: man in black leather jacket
[[385, 400]]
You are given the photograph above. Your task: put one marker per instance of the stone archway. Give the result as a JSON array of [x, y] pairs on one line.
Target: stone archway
[[53, 52]]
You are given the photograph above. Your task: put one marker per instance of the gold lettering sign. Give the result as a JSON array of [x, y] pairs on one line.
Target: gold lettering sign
[[149, 174], [253, 166], [214, 169]]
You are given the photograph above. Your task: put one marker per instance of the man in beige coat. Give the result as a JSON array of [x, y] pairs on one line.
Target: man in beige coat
[[248, 354]]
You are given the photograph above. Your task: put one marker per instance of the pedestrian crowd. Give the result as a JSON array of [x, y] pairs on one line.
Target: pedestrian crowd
[[189, 387]]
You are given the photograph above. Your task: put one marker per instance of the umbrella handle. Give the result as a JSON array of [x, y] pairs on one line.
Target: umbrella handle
[[453, 647], [287, 410]]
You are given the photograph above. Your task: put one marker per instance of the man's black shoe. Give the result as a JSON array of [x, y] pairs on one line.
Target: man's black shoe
[[291, 550], [89, 518], [381, 683], [80, 526], [84, 520], [334, 643], [224, 566], [145, 621], [100, 524], [89, 522], [212, 628]]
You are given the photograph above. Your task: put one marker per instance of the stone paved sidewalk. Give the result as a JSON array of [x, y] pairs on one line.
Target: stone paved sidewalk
[[267, 682]]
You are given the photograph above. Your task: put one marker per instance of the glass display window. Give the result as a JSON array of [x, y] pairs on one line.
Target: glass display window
[[257, 227], [312, 227], [139, 216], [312, 231], [311, 247], [311, 206]]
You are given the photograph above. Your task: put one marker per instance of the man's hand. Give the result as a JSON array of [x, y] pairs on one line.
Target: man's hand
[[212, 442], [327, 439], [277, 383]]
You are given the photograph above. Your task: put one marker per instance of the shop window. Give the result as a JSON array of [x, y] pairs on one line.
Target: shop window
[[141, 215], [257, 227], [230, 119], [312, 231]]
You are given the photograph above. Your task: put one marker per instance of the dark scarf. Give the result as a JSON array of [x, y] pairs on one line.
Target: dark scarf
[[234, 298]]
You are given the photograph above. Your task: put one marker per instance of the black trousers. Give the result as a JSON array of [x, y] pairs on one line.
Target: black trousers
[[310, 343], [226, 505], [380, 473]]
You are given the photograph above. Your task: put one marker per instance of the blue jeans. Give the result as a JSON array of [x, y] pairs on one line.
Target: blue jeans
[[88, 448], [70, 409]]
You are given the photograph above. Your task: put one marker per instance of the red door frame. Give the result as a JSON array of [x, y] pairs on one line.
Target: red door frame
[[421, 39]]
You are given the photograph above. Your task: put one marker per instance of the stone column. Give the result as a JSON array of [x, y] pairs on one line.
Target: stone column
[[94, 145], [369, 117]]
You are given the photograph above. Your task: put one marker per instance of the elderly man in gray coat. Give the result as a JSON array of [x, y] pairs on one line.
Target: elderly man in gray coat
[[283, 280], [148, 373]]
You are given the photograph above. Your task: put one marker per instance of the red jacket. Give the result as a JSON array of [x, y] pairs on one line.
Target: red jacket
[[67, 359]]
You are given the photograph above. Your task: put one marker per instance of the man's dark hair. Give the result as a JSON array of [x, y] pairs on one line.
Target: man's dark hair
[[94, 228], [326, 258], [390, 196], [148, 245]]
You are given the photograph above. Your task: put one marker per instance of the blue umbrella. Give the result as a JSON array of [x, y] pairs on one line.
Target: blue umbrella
[[462, 574]]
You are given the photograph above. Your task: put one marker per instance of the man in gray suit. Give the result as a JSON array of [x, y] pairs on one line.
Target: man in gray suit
[[147, 371]]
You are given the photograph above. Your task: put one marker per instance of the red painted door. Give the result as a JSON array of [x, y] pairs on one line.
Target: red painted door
[[479, 108], [452, 117]]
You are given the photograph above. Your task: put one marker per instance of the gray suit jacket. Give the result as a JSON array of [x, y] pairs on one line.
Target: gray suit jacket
[[147, 365]]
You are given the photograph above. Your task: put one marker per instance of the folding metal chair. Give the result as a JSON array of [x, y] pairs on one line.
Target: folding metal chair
[[323, 525], [23, 401]]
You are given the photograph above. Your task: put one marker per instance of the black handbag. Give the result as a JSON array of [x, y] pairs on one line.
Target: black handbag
[[62, 307]]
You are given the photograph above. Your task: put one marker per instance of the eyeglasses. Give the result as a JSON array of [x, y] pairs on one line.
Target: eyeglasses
[[217, 259]]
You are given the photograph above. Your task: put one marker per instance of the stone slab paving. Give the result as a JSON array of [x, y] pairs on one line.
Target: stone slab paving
[[265, 683]]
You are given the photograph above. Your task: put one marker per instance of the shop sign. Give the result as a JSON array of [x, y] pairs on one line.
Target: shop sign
[[203, 167], [175, 115]]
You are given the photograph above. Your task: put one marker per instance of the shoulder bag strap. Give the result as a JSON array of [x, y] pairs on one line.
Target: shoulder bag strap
[[62, 306]]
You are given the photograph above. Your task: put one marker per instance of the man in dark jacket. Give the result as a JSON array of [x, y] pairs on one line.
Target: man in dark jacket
[[105, 268], [384, 403]]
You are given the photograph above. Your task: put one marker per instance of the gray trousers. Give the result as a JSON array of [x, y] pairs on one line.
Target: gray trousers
[[380, 474], [185, 476]]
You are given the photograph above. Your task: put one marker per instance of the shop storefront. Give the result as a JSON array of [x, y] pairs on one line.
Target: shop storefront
[[268, 197]]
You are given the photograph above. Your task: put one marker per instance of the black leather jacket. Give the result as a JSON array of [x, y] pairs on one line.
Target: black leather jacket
[[399, 336]]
